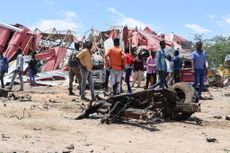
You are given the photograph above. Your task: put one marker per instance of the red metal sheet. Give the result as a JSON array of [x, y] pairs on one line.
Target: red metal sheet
[[125, 36], [18, 37], [135, 39], [26, 43], [53, 58], [45, 55], [149, 30], [112, 34], [10, 51], [38, 38], [15, 42], [4, 36], [49, 64], [60, 54]]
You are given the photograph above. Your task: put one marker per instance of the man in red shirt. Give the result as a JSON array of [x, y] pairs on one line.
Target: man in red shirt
[[128, 69], [115, 58]]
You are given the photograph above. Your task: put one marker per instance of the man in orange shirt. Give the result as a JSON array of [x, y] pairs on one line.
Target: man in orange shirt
[[115, 58]]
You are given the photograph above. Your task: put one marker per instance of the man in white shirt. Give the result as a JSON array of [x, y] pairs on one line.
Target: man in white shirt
[[169, 75], [18, 70]]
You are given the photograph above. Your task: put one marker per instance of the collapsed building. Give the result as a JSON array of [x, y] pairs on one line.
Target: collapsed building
[[52, 48]]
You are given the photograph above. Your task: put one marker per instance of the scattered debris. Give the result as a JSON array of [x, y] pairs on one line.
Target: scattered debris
[[37, 129], [71, 116], [217, 117], [52, 101], [18, 117], [20, 98], [25, 98], [88, 144], [227, 94], [227, 117], [70, 147], [211, 139], [44, 107], [3, 92], [226, 82], [4, 136], [227, 150], [215, 80]]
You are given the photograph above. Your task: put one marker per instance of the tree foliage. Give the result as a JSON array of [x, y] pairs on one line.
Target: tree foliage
[[216, 48]]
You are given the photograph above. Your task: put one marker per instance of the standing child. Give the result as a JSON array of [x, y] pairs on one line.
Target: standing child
[[151, 69], [138, 69]]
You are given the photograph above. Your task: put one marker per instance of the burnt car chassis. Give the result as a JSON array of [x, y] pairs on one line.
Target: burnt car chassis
[[178, 102]]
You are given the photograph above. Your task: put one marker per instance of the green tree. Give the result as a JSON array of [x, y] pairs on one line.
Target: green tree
[[216, 48]]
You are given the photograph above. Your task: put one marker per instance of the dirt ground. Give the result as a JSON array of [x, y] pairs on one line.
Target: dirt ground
[[46, 124]]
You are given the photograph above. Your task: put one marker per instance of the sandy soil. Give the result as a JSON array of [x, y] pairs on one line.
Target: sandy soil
[[46, 126]]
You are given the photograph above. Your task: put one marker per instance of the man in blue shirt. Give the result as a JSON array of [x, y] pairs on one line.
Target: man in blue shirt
[[176, 66], [198, 57], [3, 68], [161, 66]]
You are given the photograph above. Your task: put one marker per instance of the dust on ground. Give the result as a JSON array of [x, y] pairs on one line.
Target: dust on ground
[[46, 124]]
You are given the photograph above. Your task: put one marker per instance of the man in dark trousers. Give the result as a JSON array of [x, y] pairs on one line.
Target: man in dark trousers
[[128, 69], [3, 68], [32, 69], [176, 66], [18, 70], [161, 66], [74, 71], [199, 59], [85, 60]]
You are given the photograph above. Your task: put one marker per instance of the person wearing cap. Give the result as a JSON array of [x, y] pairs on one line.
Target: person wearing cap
[[3, 68], [85, 60], [18, 70]]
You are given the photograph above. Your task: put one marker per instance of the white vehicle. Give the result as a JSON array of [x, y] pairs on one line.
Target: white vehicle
[[98, 70]]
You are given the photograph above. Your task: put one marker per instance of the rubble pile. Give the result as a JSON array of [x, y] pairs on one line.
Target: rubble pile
[[178, 102]]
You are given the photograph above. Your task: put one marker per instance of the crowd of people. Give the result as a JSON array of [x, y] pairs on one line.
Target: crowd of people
[[117, 62], [161, 70], [18, 69]]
